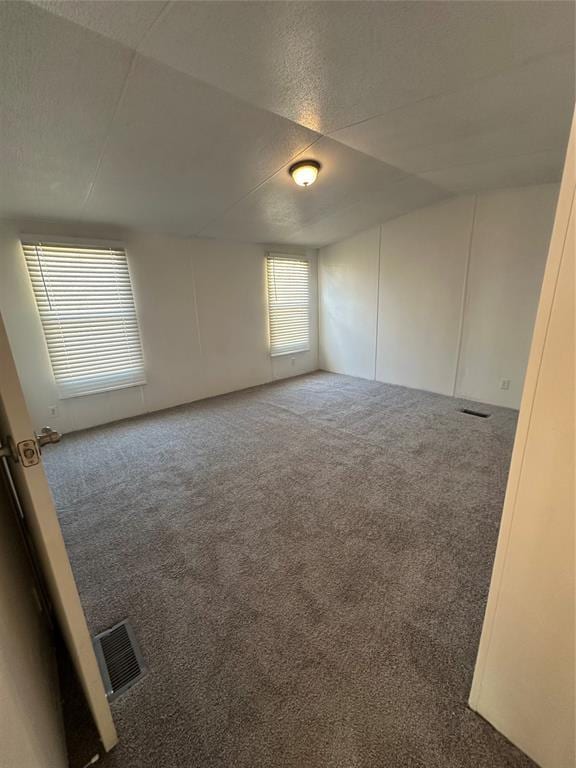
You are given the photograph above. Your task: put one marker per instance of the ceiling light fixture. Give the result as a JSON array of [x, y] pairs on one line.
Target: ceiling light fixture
[[304, 172]]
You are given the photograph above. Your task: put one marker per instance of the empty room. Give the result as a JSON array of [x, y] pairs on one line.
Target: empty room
[[287, 384]]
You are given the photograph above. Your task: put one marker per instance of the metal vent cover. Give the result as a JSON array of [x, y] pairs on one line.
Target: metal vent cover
[[479, 414], [119, 658]]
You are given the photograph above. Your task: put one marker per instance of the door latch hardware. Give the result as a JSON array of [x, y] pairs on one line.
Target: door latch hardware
[[28, 453]]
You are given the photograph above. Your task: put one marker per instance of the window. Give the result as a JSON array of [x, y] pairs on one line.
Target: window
[[86, 306], [288, 303]]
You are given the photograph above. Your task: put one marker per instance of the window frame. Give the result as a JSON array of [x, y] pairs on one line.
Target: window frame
[[32, 239], [292, 257]]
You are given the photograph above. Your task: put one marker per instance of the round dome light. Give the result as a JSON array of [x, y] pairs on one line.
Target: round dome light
[[305, 172]]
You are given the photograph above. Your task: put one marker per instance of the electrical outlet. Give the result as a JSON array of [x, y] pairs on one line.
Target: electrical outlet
[[53, 410], [292, 361], [504, 383]]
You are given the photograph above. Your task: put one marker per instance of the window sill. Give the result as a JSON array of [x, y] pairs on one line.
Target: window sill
[[285, 354], [100, 390]]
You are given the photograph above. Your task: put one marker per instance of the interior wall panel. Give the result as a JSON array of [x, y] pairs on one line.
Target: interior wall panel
[[423, 259], [348, 287], [232, 316], [458, 289], [511, 234]]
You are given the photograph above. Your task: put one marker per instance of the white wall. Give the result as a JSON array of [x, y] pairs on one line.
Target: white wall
[[203, 319], [454, 288], [524, 682], [511, 236], [422, 272], [347, 305]]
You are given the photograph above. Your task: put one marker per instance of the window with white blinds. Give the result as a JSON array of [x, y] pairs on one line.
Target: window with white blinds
[[288, 280], [86, 306]]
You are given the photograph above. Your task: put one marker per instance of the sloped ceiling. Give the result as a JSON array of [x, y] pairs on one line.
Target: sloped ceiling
[[183, 117]]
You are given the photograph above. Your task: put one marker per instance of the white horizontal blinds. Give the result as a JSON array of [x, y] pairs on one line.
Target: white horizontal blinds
[[86, 305], [288, 303]]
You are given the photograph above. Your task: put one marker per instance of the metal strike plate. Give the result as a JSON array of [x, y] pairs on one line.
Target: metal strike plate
[[28, 453]]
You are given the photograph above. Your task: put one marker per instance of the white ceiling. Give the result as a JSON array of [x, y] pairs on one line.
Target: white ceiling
[[183, 117]]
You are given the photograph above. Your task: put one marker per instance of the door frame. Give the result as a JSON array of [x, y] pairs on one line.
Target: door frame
[[43, 526]]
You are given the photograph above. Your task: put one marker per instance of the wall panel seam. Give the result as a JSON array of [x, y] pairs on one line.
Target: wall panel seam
[[464, 299], [196, 313], [377, 301]]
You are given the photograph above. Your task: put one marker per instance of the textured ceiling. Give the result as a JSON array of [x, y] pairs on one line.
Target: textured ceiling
[[183, 117]]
